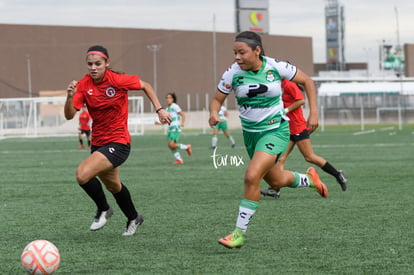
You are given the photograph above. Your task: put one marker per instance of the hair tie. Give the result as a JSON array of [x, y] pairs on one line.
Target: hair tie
[[98, 53], [248, 41]]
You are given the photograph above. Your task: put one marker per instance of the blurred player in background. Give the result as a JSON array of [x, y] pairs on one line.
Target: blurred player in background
[[293, 100], [85, 122], [222, 125], [174, 129], [105, 93], [256, 82]]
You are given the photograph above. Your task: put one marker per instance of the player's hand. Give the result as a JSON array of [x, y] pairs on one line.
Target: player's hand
[[312, 123], [164, 116], [213, 120], [71, 89]]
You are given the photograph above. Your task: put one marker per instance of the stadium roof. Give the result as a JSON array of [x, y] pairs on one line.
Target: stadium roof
[[336, 89]]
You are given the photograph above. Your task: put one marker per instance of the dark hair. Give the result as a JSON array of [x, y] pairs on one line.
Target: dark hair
[[99, 48], [173, 96], [252, 39]]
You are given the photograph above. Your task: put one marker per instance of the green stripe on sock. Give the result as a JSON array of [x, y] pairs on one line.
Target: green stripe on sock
[[249, 204], [297, 180]]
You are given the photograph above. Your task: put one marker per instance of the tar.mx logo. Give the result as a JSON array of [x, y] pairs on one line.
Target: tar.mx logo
[[226, 160]]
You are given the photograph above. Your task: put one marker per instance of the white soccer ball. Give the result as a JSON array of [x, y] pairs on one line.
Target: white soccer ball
[[40, 257]]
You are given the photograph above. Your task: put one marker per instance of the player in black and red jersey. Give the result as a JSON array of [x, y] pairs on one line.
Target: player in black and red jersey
[[293, 99], [85, 122], [105, 93]]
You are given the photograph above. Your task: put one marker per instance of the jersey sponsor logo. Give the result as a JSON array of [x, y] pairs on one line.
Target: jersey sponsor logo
[[256, 89], [272, 121], [110, 92]]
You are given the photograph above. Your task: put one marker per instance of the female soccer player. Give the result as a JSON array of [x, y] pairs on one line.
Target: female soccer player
[[293, 100], [105, 94], [85, 122], [256, 81], [222, 125], [174, 129]]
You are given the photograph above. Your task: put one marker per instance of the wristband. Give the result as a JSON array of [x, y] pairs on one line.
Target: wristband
[[286, 110], [159, 109]]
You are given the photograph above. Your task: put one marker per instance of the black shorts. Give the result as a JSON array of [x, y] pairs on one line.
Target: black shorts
[[86, 132], [301, 136], [116, 153]]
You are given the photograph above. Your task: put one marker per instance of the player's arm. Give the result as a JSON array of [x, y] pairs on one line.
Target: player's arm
[[69, 110], [182, 118], [163, 115], [295, 105], [215, 105], [309, 85]]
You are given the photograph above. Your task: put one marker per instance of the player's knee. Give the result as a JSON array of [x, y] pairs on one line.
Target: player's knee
[[310, 158], [250, 178], [81, 176]]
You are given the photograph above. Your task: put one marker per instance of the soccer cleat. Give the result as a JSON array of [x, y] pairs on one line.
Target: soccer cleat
[[178, 161], [233, 145], [271, 192], [342, 180], [132, 226], [101, 218], [234, 240], [80, 146], [189, 151], [317, 183], [213, 147]]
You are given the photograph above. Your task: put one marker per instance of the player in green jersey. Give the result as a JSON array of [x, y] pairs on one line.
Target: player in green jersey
[[222, 125], [174, 129], [256, 81]]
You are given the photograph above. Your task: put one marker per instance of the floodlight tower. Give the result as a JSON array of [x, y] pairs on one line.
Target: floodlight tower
[[335, 35]]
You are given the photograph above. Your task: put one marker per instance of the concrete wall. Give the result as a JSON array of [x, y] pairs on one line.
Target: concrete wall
[[184, 62]]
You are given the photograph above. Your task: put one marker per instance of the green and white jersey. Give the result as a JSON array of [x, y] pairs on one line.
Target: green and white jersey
[[258, 94], [222, 113], [175, 124]]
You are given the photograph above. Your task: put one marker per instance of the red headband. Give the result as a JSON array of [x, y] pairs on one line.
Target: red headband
[[98, 53]]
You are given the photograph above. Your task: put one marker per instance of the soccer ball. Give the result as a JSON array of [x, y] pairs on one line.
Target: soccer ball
[[40, 257]]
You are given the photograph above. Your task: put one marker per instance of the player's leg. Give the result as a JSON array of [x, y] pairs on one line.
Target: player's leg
[[88, 137], [275, 192], [172, 139], [86, 177], [123, 198], [231, 139], [263, 151], [260, 163], [80, 139], [214, 139], [305, 147]]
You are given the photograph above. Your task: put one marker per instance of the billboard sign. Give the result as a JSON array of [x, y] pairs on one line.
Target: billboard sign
[[253, 15]]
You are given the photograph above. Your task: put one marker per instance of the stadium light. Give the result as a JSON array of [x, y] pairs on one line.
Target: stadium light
[[154, 48]]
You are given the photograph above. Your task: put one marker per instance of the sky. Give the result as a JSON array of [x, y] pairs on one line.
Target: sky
[[368, 23]]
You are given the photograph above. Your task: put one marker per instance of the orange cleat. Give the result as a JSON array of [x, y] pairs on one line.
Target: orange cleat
[[178, 161], [233, 240], [317, 183], [189, 151]]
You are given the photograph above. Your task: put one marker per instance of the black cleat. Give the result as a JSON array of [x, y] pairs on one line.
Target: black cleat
[[342, 180], [271, 192]]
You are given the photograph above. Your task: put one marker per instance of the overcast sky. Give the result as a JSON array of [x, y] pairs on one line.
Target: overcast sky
[[367, 22]]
